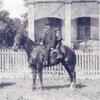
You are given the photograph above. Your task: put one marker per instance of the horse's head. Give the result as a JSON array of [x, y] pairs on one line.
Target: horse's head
[[17, 41]]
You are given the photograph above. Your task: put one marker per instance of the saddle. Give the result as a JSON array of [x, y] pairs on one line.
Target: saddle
[[57, 53]]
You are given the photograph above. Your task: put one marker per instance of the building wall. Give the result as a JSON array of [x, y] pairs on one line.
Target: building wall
[[68, 11], [84, 9], [1, 4], [43, 10], [95, 28]]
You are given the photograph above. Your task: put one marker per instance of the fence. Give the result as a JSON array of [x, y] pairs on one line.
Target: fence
[[15, 65], [88, 64]]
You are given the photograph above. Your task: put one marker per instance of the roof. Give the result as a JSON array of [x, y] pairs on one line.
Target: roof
[[34, 1]]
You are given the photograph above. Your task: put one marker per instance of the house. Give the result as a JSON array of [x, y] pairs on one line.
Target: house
[[79, 20], [1, 4]]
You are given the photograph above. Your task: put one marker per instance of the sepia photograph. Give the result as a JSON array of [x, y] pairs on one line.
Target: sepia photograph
[[49, 50]]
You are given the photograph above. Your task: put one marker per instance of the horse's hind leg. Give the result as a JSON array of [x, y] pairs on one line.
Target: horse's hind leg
[[73, 83], [74, 77], [72, 74]]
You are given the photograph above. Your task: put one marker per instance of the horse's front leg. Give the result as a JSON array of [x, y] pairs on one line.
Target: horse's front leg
[[41, 79], [40, 70], [34, 73]]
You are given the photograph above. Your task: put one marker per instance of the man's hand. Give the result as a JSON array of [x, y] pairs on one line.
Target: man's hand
[[51, 49]]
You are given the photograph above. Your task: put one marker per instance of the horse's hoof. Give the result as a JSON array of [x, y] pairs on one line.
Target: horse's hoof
[[72, 89], [34, 88], [72, 86]]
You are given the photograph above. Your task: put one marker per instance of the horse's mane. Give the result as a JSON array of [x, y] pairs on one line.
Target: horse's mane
[[28, 44], [30, 41]]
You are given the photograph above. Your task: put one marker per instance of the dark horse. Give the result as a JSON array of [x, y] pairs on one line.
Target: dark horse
[[68, 59]]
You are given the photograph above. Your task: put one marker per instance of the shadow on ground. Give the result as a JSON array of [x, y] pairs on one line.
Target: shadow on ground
[[2, 85], [79, 86], [56, 87]]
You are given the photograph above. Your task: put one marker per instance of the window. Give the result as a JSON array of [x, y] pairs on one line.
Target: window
[[83, 28]]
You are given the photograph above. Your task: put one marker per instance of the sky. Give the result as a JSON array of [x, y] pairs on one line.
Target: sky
[[15, 7]]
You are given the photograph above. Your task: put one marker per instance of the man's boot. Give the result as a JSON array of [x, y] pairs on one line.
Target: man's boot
[[59, 55]]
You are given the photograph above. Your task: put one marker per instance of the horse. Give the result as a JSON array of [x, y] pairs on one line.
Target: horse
[[68, 59]]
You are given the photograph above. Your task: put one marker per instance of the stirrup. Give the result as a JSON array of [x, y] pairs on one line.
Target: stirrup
[[45, 63]]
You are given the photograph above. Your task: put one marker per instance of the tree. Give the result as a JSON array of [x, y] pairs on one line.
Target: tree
[[9, 27]]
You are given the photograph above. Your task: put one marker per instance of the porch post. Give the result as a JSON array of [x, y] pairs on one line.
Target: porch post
[[31, 14], [67, 33], [99, 18]]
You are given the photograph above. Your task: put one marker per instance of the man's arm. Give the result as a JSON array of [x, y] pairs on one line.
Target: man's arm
[[53, 39], [43, 40]]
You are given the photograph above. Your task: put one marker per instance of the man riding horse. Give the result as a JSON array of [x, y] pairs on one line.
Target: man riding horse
[[58, 43], [52, 41]]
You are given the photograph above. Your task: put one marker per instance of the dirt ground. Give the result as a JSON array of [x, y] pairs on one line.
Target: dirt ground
[[54, 89]]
